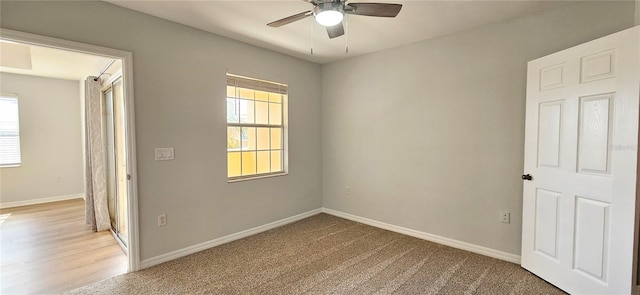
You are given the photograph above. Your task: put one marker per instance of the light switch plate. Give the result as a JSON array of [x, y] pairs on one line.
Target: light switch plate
[[164, 154]]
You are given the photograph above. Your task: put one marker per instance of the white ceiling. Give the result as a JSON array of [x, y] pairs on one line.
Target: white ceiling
[[62, 64], [418, 20]]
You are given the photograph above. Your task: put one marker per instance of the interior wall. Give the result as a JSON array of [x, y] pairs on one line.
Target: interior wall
[[430, 136], [637, 13], [50, 140], [180, 88]]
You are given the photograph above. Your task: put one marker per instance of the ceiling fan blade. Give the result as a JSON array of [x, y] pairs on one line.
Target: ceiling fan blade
[[373, 9], [290, 19], [335, 31]]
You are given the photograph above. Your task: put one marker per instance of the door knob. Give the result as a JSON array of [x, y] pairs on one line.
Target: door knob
[[527, 177]]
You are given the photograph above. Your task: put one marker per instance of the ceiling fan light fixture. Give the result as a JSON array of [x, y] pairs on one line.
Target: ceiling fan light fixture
[[329, 14]]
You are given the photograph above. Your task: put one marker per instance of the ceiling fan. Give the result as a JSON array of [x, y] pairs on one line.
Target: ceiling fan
[[330, 13]]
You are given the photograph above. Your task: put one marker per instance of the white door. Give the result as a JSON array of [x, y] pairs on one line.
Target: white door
[[581, 148]]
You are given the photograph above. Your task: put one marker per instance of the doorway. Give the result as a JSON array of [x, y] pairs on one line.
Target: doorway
[[124, 180]]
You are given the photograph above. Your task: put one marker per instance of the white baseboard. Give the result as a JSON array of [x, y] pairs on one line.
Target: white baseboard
[[40, 201], [223, 240], [402, 230], [429, 237]]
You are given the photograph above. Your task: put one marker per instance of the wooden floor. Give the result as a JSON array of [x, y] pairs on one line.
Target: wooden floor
[[48, 249]]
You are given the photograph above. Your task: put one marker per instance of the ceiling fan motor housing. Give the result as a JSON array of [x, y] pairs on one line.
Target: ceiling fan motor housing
[[325, 6], [329, 13]]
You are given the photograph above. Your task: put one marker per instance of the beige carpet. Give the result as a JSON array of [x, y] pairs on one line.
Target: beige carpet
[[324, 254]]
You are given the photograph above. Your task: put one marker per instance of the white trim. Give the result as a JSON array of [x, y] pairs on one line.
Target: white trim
[[276, 174], [33, 39], [223, 240], [40, 201], [133, 239], [429, 237], [401, 230], [127, 76]]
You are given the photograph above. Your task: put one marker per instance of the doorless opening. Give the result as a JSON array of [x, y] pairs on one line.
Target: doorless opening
[[125, 179]]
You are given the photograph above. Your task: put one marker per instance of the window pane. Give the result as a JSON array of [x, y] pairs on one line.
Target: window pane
[[276, 138], [275, 113], [263, 162], [247, 111], [233, 110], [233, 164], [245, 93], [255, 131], [10, 150], [261, 95], [262, 112], [248, 138], [276, 161], [233, 138], [9, 131], [231, 91], [275, 97], [248, 163], [263, 139]]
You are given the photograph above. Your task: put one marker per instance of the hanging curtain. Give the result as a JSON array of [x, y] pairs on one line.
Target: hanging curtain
[[96, 207]]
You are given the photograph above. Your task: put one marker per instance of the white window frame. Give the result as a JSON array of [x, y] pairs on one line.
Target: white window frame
[[283, 126], [18, 161]]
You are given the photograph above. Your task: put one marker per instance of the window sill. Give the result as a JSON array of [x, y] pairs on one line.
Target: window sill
[[231, 180], [10, 166]]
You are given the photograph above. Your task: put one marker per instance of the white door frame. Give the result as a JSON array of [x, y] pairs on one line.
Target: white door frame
[[636, 239], [127, 76]]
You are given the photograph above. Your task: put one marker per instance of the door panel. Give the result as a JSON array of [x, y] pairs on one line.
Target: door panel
[[598, 66], [581, 149], [546, 225], [550, 122], [592, 239], [116, 161], [552, 77], [594, 140], [120, 159]]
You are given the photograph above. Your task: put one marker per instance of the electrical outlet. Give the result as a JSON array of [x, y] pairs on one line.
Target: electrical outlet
[[162, 219], [505, 216], [347, 189], [164, 154]]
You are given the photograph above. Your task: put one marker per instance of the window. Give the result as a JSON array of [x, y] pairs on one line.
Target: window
[[255, 127], [9, 131]]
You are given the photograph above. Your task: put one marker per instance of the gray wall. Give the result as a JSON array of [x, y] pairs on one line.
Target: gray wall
[[50, 138], [637, 23], [179, 77], [430, 136]]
